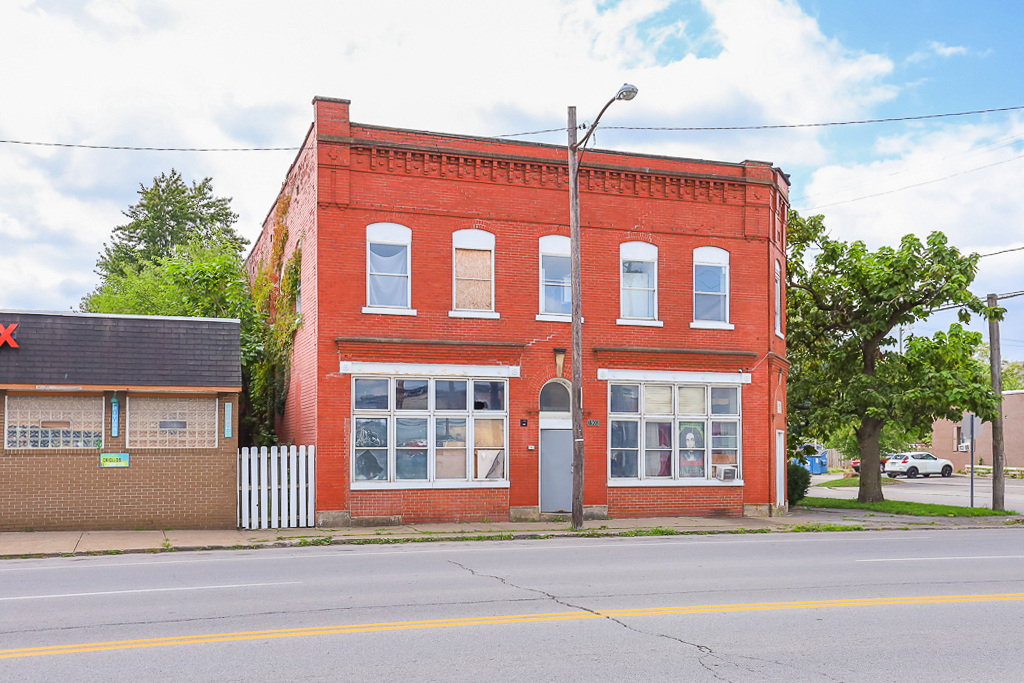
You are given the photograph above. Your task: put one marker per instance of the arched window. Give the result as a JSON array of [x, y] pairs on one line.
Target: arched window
[[388, 268], [639, 281], [473, 272], [711, 288], [554, 398]]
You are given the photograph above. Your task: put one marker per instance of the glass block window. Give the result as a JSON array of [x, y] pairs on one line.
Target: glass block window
[[172, 422], [54, 422], [416, 431], [684, 432]]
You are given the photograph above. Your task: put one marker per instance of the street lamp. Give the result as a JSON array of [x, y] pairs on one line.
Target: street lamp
[[626, 92]]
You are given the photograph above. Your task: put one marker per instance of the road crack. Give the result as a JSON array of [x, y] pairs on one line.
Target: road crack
[[706, 653]]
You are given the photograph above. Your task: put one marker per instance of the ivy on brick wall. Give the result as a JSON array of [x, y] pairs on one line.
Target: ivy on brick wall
[[275, 292]]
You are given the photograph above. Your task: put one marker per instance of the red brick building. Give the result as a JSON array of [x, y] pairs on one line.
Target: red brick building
[[431, 365]]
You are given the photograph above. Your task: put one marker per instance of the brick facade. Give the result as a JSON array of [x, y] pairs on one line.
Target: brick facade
[[349, 176]]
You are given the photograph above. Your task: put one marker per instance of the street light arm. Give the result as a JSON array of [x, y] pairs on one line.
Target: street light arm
[[593, 127]]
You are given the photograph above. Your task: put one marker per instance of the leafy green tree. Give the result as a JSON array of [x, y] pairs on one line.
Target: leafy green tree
[[893, 439], [843, 303], [201, 280], [1013, 370], [169, 213]]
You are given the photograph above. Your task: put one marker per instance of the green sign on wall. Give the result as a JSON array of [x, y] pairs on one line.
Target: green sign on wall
[[113, 460]]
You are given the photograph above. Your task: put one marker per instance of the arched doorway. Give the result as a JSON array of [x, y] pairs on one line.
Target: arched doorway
[[555, 447]]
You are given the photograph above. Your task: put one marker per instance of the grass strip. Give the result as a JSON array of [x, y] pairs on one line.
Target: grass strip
[[852, 481], [903, 507]]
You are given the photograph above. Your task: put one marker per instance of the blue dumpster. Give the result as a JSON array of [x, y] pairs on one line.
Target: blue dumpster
[[818, 463]]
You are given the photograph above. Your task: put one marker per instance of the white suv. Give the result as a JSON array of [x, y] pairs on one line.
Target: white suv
[[913, 464]]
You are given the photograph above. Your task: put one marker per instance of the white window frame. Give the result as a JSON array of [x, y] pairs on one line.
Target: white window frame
[[644, 252], [552, 245], [712, 256], [476, 240], [641, 418], [431, 414], [778, 299], [390, 233]]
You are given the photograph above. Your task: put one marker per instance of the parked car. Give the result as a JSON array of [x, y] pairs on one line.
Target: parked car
[[913, 464], [855, 463]]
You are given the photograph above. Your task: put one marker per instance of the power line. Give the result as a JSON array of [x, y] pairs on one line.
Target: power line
[[132, 148], [151, 149], [909, 187]]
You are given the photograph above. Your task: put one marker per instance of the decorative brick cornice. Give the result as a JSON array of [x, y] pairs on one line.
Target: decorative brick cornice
[[526, 171]]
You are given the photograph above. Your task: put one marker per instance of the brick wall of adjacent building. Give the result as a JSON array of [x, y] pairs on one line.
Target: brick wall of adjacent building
[[66, 489], [437, 184]]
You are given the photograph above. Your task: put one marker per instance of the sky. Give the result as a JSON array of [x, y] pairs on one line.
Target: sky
[[185, 73]]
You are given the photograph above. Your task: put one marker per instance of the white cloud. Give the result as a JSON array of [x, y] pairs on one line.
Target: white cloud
[[934, 49], [233, 73]]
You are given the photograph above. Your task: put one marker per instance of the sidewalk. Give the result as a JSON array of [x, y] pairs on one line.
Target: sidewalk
[[66, 543]]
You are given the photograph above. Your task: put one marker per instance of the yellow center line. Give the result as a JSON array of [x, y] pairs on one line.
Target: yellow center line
[[488, 621]]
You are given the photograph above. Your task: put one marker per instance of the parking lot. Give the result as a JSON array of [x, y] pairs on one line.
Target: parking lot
[[955, 490]]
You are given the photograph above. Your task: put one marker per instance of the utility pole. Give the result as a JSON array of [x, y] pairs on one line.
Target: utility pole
[[576, 282], [996, 360]]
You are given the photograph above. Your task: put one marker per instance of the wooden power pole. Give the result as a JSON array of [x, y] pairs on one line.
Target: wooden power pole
[[996, 360]]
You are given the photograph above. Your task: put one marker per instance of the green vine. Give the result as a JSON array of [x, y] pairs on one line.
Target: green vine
[[275, 293]]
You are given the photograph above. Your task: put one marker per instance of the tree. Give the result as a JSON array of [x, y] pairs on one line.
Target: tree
[[168, 214], [846, 365], [1013, 370]]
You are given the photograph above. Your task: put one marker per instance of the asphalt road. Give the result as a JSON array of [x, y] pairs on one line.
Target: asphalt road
[[945, 605], [955, 490]]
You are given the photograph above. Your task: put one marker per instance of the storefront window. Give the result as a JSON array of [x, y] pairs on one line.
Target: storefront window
[[54, 422], [686, 432], [417, 431]]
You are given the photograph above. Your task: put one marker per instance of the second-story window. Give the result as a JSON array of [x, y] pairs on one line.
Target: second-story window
[[711, 288], [555, 283], [388, 266], [473, 281], [639, 281]]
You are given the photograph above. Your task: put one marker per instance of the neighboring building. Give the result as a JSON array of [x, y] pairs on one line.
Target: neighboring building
[[948, 439], [118, 421], [431, 367]]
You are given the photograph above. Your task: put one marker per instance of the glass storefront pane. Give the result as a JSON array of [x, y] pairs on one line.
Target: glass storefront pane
[[489, 395], [691, 401], [625, 398], [725, 401], [657, 463], [724, 435], [411, 432], [625, 434], [371, 464], [489, 433], [450, 463], [450, 394], [371, 394], [411, 394], [490, 463], [658, 399], [691, 449], [449, 432], [624, 465], [372, 432], [411, 463]]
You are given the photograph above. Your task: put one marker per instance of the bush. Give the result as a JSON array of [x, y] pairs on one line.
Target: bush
[[798, 478]]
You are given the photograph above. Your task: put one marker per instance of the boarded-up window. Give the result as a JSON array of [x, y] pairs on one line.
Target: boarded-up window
[[473, 280], [54, 422], [178, 422]]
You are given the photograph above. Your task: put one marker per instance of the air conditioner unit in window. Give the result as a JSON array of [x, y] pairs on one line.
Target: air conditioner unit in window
[[964, 447], [725, 472]]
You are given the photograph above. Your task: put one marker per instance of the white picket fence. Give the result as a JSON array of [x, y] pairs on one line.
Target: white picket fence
[[277, 487]]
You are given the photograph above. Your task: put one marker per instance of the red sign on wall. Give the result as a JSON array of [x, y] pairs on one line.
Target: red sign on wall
[[7, 335]]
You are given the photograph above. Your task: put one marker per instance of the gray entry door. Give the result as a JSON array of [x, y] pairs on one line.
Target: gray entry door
[[556, 470]]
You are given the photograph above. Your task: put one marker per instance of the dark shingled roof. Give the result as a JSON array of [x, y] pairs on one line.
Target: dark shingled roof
[[75, 349]]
